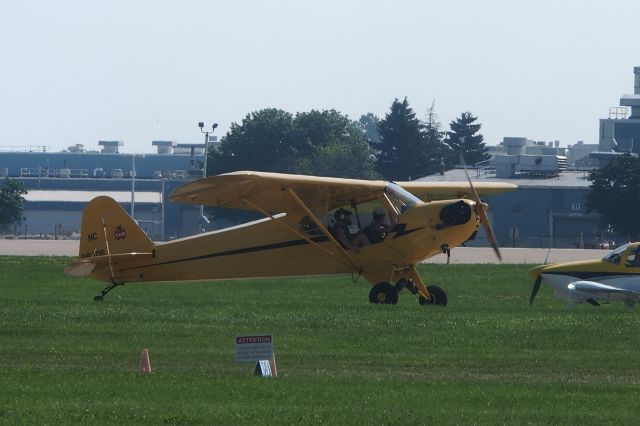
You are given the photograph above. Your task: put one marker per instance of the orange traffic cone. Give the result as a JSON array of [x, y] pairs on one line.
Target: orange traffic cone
[[145, 364]]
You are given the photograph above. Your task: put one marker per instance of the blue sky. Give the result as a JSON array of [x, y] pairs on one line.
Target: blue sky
[[83, 71]]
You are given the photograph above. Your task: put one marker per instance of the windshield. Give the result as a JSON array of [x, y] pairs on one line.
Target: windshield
[[400, 197], [615, 255]]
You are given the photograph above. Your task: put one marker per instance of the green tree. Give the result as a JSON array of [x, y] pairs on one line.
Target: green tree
[[316, 142], [464, 139], [437, 151], [402, 152], [615, 194], [339, 148], [368, 125], [264, 141], [11, 201]]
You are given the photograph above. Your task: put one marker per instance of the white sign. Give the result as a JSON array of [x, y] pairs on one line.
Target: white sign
[[254, 348], [263, 369]]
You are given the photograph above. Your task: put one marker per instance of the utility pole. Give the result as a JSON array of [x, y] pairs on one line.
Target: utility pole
[[133, 184], [203, 218]]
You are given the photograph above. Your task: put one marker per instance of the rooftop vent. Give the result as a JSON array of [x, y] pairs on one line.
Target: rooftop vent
[[164, 147], [110, 147]]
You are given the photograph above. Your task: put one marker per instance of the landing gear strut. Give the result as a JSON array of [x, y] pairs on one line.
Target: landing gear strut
[[407, 278], [104, 291], [408, 284]]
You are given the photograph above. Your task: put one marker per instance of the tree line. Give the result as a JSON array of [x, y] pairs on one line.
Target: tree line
[[327, 143]]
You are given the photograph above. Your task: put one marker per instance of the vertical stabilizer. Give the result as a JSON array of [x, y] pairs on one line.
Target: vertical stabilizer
[[108, 230]]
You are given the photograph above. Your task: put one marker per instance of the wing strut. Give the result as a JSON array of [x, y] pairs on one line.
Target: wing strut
[[323, 228], [292, 229]]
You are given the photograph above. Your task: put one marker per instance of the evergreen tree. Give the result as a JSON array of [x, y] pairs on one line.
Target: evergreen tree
[[437, 151], [464, 139], [401, 153]]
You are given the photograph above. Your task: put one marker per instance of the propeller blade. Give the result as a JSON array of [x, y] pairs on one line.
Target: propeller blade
[[536, 287], [481, 213], [487, 229]]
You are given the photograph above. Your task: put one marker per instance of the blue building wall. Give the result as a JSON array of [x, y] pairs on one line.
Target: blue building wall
[[542, 216], [90, 161], [41, 217]]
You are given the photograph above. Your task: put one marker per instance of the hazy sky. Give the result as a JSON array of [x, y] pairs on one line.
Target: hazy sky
[[142, 70]]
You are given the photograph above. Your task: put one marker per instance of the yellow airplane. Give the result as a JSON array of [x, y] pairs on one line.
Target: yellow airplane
[[311, 226], [614, 277]]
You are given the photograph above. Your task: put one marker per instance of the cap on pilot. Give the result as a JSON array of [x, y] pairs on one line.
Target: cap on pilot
[[378, 213]]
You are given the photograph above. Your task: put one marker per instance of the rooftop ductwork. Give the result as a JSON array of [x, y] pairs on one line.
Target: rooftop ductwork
[[633, 101]]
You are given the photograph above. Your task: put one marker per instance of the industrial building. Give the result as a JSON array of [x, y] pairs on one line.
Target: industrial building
[[548, 208], [621, 130], [61, 183]]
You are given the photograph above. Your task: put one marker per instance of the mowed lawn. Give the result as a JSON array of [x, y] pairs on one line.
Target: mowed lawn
[[488, 357]]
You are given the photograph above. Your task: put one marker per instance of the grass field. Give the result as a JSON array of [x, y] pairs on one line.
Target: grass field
[[486, 358]]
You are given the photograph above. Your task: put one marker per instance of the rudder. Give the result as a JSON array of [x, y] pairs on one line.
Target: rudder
[[108, 230]]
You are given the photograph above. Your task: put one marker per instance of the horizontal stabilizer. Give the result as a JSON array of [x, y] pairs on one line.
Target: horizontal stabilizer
[[81, 268]]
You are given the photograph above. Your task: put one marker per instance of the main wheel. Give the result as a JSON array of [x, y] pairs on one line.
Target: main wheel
[[383, 293], [438, 297]]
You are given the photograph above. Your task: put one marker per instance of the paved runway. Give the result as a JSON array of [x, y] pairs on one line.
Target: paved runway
[[458, 255]]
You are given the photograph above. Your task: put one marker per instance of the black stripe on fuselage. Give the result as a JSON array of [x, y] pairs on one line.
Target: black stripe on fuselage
[[284, 244], [400, 230], [266, 247]]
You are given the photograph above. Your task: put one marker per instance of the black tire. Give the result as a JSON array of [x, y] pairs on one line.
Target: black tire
[[438, 297], [383, 293]]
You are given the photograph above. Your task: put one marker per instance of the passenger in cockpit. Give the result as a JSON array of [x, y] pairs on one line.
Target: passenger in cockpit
[[341, 231]]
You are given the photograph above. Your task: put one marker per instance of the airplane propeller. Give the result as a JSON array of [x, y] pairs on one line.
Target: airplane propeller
[[481, 213], [536, 287], [538, 282]]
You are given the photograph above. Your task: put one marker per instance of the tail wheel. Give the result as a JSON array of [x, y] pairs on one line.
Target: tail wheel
[[383, 293], [438, 297]]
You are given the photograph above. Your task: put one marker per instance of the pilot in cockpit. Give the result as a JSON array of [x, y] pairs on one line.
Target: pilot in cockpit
[[633, 260], [341, 231]]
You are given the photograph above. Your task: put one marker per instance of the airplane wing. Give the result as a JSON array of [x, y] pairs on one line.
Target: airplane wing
[[269, 190], [430, 191], [599, 288]]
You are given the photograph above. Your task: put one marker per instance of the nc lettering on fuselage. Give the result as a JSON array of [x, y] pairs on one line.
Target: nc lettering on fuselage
[[93, 237]]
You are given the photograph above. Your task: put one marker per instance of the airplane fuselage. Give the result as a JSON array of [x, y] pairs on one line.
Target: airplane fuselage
[[274, 247], [564, 286], [615, 277]]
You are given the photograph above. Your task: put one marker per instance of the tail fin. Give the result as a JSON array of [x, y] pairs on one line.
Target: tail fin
[[108, 230]]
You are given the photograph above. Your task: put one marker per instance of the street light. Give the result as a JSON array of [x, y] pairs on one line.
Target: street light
[[203, 218], [133, 184]]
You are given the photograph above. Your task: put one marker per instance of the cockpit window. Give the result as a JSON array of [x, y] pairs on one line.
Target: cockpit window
[[400, 197], [633, 259], [615, 256]]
